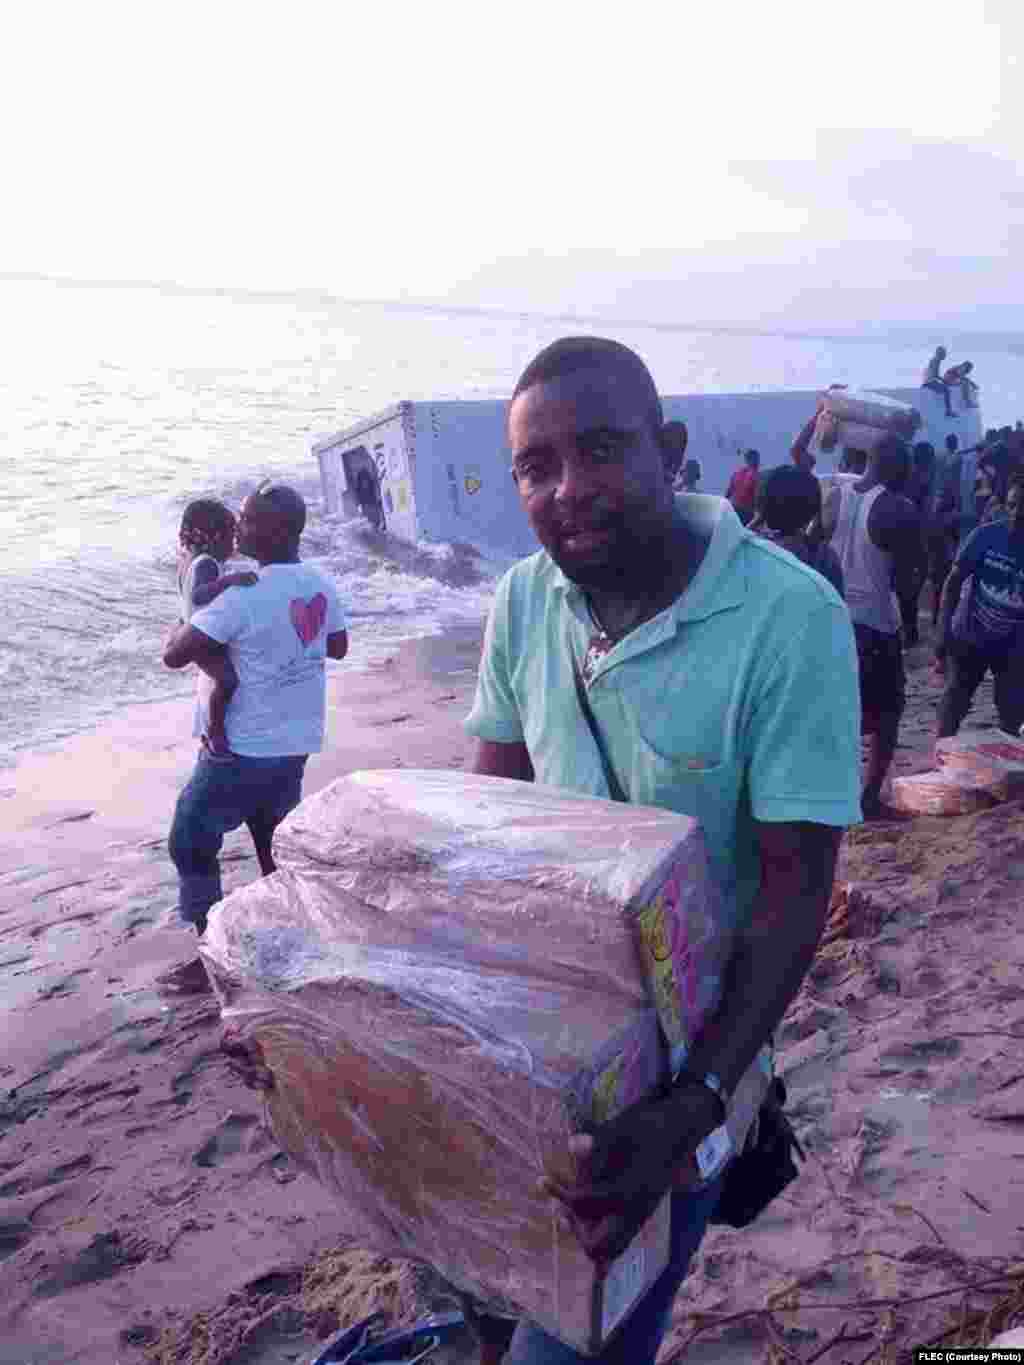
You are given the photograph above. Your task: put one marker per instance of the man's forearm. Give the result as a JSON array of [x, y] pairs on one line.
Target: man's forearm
[[762, 979], [769, 963]]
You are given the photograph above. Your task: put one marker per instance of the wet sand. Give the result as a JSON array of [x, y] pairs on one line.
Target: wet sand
[[147, 1215], [138, 1185]]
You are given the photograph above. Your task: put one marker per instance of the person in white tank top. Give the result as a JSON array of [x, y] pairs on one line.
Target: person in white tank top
[[876, 533]]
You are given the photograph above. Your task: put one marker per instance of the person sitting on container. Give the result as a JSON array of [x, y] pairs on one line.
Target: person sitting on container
[[932, 379], [958, 376], [742, 490], [968, 388]]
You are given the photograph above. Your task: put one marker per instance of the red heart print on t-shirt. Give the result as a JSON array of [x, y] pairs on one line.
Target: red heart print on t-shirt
[[308, 617]]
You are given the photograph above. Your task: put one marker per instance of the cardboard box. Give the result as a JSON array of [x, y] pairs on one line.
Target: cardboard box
[[444, 979], [991, 757]]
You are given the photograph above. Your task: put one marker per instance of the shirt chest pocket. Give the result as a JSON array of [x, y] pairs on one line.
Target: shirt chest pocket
[[686, 774]]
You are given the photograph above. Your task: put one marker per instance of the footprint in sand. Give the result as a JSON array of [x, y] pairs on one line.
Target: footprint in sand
[[226, 1141], [14, 1233], [40, 1177], [65, 986], [105, 1256]]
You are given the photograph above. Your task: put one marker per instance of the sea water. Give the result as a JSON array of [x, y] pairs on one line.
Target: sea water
[[118, 404]]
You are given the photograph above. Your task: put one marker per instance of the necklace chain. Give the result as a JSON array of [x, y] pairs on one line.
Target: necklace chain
[[645, 614]]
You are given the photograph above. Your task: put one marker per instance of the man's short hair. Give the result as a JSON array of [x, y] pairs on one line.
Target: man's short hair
[[287, 503], [570, 355], [789, 499], [952, 442], [752, 457]]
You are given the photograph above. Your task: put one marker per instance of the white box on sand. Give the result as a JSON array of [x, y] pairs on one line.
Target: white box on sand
[[941, 793], [445, 981], [992, 757]]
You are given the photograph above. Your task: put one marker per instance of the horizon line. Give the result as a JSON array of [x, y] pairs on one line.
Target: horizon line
[[322, 295]]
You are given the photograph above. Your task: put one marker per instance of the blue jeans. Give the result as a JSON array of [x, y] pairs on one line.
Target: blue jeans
[[221, 795], [640, 1338]]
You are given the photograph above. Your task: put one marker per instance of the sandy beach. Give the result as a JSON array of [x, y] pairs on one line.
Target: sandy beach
[[146, 1214]]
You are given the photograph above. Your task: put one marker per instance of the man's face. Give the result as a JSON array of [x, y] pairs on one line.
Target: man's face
[[259, 529], [592, 477]]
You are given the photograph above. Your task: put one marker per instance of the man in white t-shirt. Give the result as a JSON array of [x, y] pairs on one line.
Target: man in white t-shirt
[[278, 634]]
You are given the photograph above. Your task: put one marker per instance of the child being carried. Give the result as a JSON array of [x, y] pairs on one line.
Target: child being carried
[[206, 541]]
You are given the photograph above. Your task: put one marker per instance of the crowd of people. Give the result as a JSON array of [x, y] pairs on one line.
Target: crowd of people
[[894, 520]]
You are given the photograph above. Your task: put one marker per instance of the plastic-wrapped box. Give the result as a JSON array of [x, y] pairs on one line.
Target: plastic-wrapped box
[[875, 410], [992, 757], [443, 977], [941, 793]]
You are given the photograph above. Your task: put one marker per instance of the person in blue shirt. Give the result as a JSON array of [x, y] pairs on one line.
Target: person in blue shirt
[[987, 633]]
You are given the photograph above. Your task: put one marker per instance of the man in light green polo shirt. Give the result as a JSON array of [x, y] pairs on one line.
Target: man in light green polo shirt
[[721, 674]]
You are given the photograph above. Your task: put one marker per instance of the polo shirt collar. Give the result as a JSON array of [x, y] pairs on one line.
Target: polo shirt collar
[[716, 586]]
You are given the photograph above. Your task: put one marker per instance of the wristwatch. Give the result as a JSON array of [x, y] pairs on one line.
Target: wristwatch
[[708, 1079]]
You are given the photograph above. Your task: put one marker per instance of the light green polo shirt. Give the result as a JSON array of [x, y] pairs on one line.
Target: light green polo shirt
[[738, 703]]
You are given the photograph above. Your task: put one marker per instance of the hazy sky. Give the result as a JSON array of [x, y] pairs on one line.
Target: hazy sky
[[663, 160]]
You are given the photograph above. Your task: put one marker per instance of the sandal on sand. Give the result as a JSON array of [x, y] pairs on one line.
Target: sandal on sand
[[358, 1345], [188, 979]]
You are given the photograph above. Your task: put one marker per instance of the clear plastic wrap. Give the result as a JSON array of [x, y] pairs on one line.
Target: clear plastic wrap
[[445, 981], [872, 410], [941, 793], [992, 757]]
